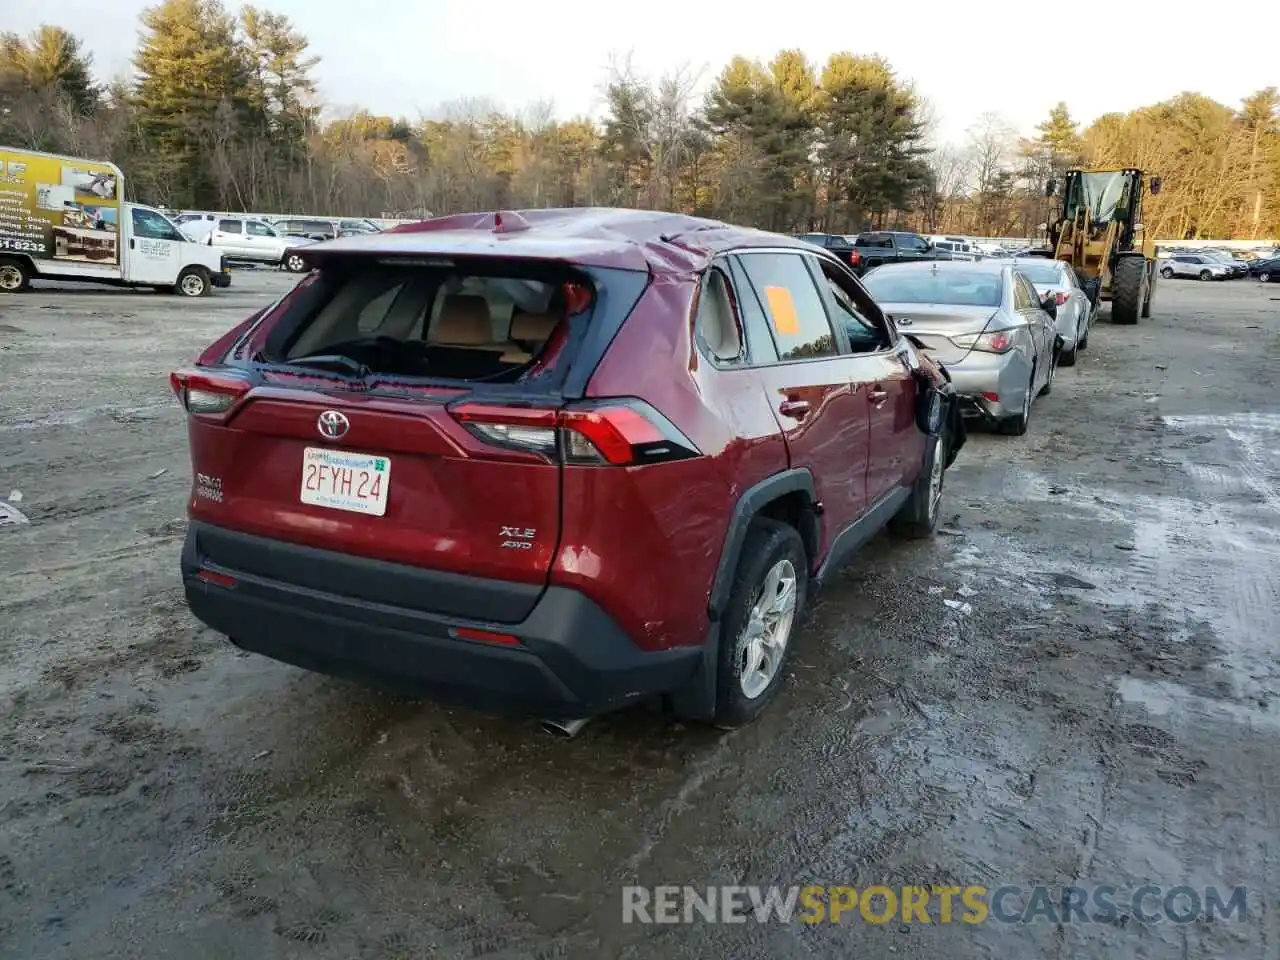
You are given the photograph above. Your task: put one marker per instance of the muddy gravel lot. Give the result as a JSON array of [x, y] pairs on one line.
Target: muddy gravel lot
[[1099, 703]]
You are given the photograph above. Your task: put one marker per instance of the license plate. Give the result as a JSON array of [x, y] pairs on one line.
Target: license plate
[[356, 482]]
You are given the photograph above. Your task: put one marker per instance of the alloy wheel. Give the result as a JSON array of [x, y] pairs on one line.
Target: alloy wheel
[[768, 629]]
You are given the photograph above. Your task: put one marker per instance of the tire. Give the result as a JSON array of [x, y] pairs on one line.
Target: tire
[[770, 547], [918, 517], [193, 282], [1206, 275], [1167, 273], [294, 263], [1128, 289], [1264, 277], [1068, 357], [1016, 425], [15, 275], [1151, 295]]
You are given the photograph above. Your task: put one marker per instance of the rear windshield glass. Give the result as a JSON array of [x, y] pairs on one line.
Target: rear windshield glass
[[965, 287], [439, 323], [1044, 272]]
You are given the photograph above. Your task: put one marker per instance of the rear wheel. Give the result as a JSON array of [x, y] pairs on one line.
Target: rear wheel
[[15, 275], [1128, 289], [294, 263], [765, 603], [1167, 273], [1264, 276]]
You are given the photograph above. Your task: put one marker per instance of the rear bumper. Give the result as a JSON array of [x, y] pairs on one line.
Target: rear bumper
[[572, 658], [980, 377]]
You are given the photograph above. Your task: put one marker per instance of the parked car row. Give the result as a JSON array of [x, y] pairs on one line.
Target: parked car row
[[249, 239], [1215, 264]]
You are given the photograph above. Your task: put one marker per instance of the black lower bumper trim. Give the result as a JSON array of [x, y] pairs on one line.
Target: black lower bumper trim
[[572, 658]]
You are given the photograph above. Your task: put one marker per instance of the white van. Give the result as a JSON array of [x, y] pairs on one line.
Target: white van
[[957, 248], [64, 218]]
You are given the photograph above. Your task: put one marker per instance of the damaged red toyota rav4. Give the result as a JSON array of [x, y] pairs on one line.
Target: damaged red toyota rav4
[[555, 461]]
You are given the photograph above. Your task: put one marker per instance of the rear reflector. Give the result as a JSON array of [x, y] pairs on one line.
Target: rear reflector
[[216, 579], [484, 636]]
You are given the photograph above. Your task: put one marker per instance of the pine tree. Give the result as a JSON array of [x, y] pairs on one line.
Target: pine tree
[[50, 61], [193, 80]]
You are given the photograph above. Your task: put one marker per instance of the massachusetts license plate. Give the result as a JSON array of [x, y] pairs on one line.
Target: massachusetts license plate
[[356, 482]]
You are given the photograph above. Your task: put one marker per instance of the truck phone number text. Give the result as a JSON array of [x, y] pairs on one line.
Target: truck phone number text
[[25, 246]]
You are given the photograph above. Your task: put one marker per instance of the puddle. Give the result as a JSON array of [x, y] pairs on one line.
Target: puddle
[[1164, 699]]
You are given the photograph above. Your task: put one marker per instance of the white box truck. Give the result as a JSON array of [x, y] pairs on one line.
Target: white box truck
[[64, 218]]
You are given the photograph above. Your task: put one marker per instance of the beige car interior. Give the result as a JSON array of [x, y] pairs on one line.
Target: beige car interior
[[464, 321]]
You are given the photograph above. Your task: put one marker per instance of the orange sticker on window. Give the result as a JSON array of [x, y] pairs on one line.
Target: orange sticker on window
[[782, 309]]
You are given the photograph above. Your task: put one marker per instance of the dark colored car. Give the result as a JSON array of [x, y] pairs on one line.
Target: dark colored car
[[887, 246], [319, 228], [839, 246], [556, 461], [1268, 271]]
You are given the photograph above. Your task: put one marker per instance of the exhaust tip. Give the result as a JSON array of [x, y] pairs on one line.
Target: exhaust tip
[[564, 729]]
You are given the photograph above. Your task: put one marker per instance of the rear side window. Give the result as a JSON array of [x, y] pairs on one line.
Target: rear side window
[[791, 302], [717, 327], [260, 229], [1024, 297], [230, 226]]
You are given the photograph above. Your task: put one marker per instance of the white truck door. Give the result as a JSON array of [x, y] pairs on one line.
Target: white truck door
[[228, 233], [266, 244], [154, 253]]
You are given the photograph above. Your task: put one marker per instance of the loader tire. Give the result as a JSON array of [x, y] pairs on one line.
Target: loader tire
[[1128, 289]]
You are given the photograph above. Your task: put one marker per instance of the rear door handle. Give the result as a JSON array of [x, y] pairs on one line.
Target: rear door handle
[[877, 395], [794, 408]]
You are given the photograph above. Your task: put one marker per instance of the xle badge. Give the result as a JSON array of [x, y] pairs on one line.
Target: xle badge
[[517, 538]]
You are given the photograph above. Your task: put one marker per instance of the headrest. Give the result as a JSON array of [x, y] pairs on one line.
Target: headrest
[[532, 326], [464, 321]]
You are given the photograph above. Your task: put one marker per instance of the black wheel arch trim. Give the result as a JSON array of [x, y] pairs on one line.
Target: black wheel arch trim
[[798, 480]]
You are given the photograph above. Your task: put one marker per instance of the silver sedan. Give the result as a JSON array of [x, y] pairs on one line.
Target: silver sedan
[[1075, 311], [985, 323]]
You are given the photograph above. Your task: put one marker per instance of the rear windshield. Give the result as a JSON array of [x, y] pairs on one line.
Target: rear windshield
[[482, 323], [1044, 272], [964, 287]]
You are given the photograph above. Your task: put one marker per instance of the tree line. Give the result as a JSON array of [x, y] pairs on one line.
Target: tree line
[[222, 113]]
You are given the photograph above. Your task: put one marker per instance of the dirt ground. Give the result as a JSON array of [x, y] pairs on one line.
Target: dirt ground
[[1105, 712]]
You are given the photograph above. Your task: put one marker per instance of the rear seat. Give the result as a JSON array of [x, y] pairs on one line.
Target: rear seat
[[526, 329], [464, 322]]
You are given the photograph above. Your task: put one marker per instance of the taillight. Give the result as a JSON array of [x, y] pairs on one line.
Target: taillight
[[855, 258], [206, 394], [624, 432], [998, 341]]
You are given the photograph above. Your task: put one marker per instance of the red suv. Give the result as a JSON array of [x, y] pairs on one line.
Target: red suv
[[557, 461]]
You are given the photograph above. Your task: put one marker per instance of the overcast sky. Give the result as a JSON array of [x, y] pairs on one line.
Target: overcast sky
[[406, 57]]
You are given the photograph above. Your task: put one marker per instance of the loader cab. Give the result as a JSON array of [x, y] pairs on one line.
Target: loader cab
[[1108, 196]]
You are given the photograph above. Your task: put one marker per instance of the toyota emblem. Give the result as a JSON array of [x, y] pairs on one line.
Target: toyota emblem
[[333, 425]]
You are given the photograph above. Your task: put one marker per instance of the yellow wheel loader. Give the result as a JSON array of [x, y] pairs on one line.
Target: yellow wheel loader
[[1100, 234]]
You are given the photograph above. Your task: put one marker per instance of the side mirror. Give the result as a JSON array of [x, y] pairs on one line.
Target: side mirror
[[1049, 304], [1155, 185], [1051, 187]]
